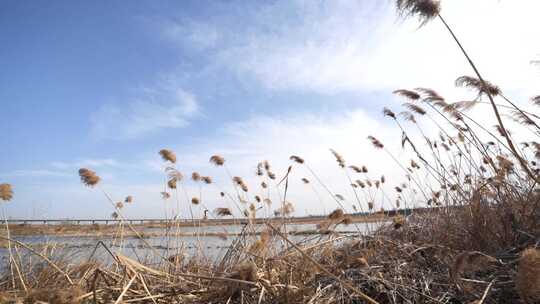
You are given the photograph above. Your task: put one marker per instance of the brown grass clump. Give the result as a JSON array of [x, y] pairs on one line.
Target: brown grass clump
[[54, 296], [168, 155], [6, 192], [528, 276], [88, 177]]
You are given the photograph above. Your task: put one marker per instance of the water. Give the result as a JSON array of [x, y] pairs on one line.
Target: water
[[209, 247]]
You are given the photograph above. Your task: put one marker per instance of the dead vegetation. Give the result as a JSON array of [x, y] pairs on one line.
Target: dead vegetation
[[478, 243]]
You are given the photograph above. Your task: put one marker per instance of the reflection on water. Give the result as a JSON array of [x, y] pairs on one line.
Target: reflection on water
[[205, 246]]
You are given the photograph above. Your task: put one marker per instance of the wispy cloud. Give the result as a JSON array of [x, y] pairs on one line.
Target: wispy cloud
[[35, 173], [359, 46], [161, 107], [92, 163]]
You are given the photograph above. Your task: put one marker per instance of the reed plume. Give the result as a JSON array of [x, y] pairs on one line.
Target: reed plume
[[195, 201], [168, 155], [217, 160], [119, 205], [195, 176], [483, 87], [222, 211], [6, 192], [165, 195], [424, 10], [297, 159], [206, 179], [536, 100], [412, 95], [376, 143], [340, 160], [305, 180], [172, 183], [88, 177], [129, 199]]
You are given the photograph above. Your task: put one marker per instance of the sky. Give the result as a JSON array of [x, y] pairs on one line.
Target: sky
[[107, 84]]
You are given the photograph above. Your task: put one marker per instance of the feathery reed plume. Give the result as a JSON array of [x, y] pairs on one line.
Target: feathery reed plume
[[528, 276], [267, 201], [114, 215], [408, 116], [264, 185], [271, 175], [6, 192], [259, 171], [305, 180], [217, 160], [222, 211], [172, 183], [484, 87], [536, 100], [389, 113], [195, 201], [172, 173], [206, 179], [336, 214], [407, 94], [287, 209], [430, 95], [129, 199], [340, 160], [88, 177], [168, 155], [119, 205], [165, 195], [238, 180], [258, 199], [297, 159], [364, 169], [383, 179], [340, 197], [222, 194], [360, 183], [425, 10], [376, 143], [266, 165], [415, 108], [356, 169], [195, 176], [370, 205]]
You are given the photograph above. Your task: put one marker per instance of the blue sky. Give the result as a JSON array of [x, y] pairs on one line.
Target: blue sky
[[107, 84]]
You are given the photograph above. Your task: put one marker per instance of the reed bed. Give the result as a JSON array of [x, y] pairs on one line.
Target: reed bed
[[476, 240]]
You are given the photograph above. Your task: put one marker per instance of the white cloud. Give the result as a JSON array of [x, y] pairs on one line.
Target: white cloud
[[359, 46], [166, 106]]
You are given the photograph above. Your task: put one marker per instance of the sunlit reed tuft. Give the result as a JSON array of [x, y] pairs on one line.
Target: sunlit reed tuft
[[6, 192], [88, 177], [168, 155]]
